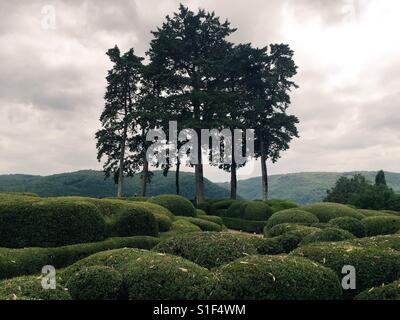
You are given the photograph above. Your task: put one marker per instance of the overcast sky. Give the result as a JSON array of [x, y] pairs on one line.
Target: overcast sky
[[52, 81]]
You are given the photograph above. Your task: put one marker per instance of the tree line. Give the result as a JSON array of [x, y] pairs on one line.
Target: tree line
[[194, 75]]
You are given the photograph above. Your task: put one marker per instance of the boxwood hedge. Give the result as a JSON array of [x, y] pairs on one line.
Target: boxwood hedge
[[256, 211], [352, 225], [279, 205], [30, 288], [208, 249], [374, 266], [215, 219], [327, 211], [26, 261], [96, 283], [375, 226], [327, 235], [276, 278], [203, 224], [291, 216], [180, 226], [283, 228], [48, 222], [244, 225], [387, 292], [178, 205]]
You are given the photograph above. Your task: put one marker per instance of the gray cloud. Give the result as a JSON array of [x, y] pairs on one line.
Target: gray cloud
[[53, 81]]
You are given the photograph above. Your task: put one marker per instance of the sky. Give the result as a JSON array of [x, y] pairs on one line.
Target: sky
[[53, 68]]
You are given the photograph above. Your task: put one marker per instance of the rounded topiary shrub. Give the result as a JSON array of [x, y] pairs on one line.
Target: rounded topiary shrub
[[276, 278], [134, 222], [208, 249], [279, 205], [387, 292], [256, 211], [373, 213], [215, 219], [352, 225], [220, 208], [327, 235], [203, 224], [163, 216], [200, 212], [375, 226], [283, 228], [30, 288], [164, 277], [96, 283], [178, 205], [291, 216], [327, 211], [374, 266], [49, 223]]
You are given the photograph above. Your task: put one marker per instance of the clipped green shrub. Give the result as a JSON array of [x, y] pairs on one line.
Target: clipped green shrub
[[291, 216], [374, 266], [48, 222], [30, 288], [279, 205], [373, 213], [96, 283], [26, 261], [180, 226], [375, 226], [208, 249], [137, 198], [327, 235], [387, 292], [134, 222], [256, 211], [283, 228], [220, 207], [235, 210], [327, 211], [215, 219], [203, 224], [276, 278], [178, 205], [16, 194], [244, 225], [164, 277], [352, 225], [386, 242]]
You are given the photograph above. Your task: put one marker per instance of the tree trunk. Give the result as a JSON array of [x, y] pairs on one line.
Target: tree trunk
[[121, 163], [145, 174], [264, 173], [178, 165], [233, 181]]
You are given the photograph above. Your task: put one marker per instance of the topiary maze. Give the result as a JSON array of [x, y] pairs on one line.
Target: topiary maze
[[165, 248]]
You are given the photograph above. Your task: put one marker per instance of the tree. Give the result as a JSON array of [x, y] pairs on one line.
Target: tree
[[118, 139], [268, 90], [346, 190], [380, 178], [190, 50]]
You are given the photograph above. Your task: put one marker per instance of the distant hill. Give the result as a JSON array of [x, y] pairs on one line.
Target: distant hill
[[305, 187], [91, 183]]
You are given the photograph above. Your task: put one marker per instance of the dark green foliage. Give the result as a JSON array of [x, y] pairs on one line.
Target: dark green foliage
[[276, 278], [215, 219], [96, 283], [221, 206], [136, 198], [374, 266], [17, 262], [208, 249], [346, 190], [244, 225], [373, 213], [386, 242], [256, 211], [278, 205], [30, 288], [48, 222], [165, 277], [180, 226], [352, 225], [203, 224], [375, 226], [327, 235], [328, 211], [235, 210], [200, 212], [377, 197], [178, 205], [283, 228], [134, 222], [291, 216], [380, 178], [387, 292]]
